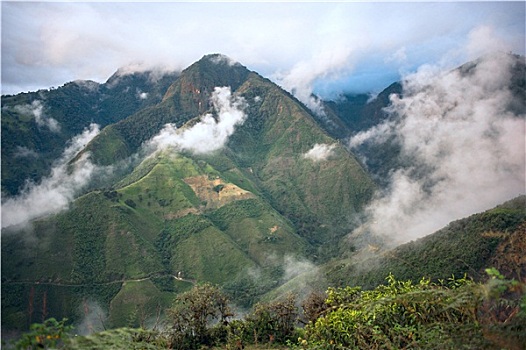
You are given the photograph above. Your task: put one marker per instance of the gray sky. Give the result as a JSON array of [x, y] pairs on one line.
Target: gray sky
[[320, 47]]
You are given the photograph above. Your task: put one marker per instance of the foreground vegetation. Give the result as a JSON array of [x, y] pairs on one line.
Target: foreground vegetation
[[452, 314]]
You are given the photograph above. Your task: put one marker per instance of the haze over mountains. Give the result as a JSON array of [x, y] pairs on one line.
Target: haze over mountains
[[112, 190]]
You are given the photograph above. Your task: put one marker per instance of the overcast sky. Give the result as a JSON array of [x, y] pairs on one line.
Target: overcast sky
[[324, 47]]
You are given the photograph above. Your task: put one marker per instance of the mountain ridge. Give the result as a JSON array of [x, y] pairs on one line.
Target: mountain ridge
[[72, 107], [223, 217]]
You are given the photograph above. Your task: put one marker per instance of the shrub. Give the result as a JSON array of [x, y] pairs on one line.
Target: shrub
[[130, 203], [446, 315], [46, 335], [274, 321]]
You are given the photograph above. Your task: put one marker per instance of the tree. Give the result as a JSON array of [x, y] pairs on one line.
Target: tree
[[193, 313], [274, 321]]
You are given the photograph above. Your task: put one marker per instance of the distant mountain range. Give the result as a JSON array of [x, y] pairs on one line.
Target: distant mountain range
[[210, 174]]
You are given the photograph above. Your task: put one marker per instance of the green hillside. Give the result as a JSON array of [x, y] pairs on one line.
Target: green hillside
[[165, 220], [493, 238]]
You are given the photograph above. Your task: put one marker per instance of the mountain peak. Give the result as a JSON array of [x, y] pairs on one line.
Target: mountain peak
[[220, 59], [198, 80], [217, 62]]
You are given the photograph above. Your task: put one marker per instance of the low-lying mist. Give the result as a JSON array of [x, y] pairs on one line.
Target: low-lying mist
[[465, 145], [56, 191]]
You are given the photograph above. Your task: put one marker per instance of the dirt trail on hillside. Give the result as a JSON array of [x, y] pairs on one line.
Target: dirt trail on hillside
[[123, 281]]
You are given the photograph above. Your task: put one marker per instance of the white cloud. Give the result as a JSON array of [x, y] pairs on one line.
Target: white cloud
[[36, 110], [484, 40], [301, 78], [319, 152], [467, 148], [220, 58], [56, 191], [380, 133], [299, 276], [142, 95], [45, 44], [294, 267], [24, 152], [399, 56], [94, 318], [89, 85], [208, 134]]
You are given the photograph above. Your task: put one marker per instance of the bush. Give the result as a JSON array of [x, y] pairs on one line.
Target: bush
[[313, 306], [46, 335], [218, 188], [130, 203], [452, 315]]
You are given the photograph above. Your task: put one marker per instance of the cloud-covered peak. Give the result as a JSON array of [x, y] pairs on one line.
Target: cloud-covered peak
[[149, 73], [218, 58]]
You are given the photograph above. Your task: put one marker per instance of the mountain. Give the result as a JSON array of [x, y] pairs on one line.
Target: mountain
[[213, 174], [241, 216], [351, 113], [266, 148]]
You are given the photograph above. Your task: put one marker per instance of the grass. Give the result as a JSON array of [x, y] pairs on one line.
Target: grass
[[268, 235], [128, 338], [209, 255], [136, 303]]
